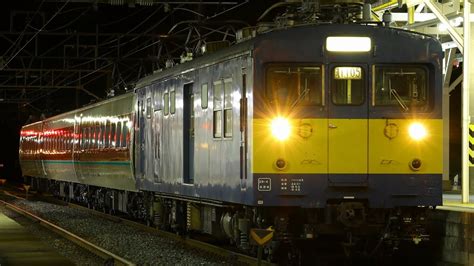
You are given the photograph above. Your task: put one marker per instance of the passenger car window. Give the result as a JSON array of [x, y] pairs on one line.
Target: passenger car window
[[125, 135], [118, 135], [347, 85]]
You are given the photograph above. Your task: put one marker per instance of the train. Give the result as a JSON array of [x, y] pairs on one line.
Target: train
[[304, 130]]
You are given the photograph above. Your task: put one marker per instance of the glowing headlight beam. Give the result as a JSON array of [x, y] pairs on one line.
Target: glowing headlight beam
[[417, 131], [280, 128]]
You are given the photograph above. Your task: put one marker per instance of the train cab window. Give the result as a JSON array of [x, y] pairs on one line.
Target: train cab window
[[228, 108], [204, 96], [347, 85], [148, 108], [404, 86], [166, 103], [291, 85], [172, 102], [217, 106]]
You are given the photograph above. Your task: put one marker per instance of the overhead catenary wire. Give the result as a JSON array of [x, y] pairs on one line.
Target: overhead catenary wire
[[65, 25], [133, 29], [34, 36], [24, 30]]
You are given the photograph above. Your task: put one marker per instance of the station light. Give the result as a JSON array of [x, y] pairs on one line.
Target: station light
[[346, 44]]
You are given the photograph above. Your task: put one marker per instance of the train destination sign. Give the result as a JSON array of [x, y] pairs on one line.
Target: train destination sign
[[347, 73]]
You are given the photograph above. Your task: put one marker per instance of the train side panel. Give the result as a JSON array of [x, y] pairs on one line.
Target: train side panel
[[103, 156], [30, 150], [196, 147], [57, 148]]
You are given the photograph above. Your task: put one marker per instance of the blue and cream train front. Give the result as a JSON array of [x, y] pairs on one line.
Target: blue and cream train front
[[347, 114]]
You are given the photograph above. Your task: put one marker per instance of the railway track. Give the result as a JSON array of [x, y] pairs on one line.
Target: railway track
[[219, 251], [229, 256], [108, 256]]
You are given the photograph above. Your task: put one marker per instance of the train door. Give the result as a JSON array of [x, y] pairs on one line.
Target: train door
[[156, 135], [347, 125], [188, 134], [40, 164]]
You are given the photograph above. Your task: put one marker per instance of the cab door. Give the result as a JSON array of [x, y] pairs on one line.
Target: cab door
[[347, 125]]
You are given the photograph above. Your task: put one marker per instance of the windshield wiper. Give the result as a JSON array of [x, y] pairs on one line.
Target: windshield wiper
[[399, 99], [298, 100]]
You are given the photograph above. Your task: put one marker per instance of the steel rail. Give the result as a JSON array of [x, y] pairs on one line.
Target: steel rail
[[105, 254], [225, 253]]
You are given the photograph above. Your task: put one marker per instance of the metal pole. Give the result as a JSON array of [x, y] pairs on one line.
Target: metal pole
[[411, 15], [466, 119], [447, 71]]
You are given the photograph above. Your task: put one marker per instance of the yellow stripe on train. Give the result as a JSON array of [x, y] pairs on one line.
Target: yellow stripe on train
[[345, 146]]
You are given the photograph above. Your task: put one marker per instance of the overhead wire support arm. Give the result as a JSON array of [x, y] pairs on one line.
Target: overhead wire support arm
[[458, 39]]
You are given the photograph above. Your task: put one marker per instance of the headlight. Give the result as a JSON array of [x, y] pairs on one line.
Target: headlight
[[417, 131], [280, 128]]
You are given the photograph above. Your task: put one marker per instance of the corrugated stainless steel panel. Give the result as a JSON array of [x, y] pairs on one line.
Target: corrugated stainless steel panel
[[100, 167], [57, 163]]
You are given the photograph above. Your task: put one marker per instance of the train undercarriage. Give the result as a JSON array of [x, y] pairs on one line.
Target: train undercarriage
[[354, 228]]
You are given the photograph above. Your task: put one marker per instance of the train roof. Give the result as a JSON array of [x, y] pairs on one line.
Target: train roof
[[248, 45], [82, 109]]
